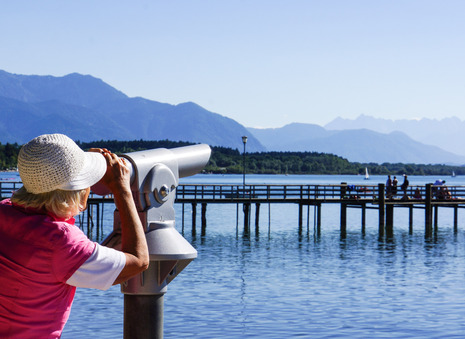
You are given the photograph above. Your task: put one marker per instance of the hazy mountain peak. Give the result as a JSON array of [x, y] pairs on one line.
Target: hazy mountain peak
[[446, 133], [358, 144], [190, 106], [366, 121]]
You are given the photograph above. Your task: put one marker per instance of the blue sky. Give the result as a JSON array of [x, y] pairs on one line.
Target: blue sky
[[263, 63]]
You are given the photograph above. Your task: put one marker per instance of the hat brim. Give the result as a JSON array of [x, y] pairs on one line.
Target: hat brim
[[93, 170]]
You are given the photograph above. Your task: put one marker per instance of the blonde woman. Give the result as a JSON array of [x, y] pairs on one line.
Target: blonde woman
[[43, 255]]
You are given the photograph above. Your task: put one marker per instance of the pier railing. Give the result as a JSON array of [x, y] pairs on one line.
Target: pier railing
[[274, 193], [8, 187], [289, 193], [322, 193]]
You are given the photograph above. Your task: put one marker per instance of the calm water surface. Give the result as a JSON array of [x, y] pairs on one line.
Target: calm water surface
[[276, 283]]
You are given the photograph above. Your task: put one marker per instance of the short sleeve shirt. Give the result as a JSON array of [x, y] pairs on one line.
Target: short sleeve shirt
[[100, 270], [38, 254]]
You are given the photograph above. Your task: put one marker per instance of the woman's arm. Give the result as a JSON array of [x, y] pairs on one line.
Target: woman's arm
[[133, 242]]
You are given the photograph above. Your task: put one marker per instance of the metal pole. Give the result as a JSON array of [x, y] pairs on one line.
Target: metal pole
[[243, 172], [243, 168], [244, 141], [143, 316]]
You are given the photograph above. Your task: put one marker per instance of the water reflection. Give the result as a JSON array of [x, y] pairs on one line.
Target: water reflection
[[289, 283]]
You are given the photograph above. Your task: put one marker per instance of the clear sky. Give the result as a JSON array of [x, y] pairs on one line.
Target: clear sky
[[263, 63]]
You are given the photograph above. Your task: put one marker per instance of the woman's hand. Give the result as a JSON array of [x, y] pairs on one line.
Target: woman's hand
[[117, 176]]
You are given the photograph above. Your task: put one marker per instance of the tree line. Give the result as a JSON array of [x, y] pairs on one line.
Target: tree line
[[8, 156], [231, 161]]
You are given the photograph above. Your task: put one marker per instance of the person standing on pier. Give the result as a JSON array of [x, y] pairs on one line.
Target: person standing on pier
[[389, 187], [394, 185], [43, 255], [404, 188]]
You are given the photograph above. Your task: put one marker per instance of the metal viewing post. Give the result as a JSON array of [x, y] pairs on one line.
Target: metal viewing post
[[244, 140], [154, 177]]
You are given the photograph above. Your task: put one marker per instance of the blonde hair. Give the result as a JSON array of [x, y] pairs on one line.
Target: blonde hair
[[63, 204]]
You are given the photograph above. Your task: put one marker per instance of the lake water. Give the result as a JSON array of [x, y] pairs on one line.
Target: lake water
[[279, 284]]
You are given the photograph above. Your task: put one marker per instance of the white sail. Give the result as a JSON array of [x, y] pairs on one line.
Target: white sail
[[367, 176]]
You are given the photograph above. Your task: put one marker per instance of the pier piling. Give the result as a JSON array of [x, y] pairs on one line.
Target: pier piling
[[428, 212], [381, 210], [389, 221], [343, 219], [363, 221], [204, 219], [410, 219], [257, 217], [194, 218], [318, 219], [246, 209]]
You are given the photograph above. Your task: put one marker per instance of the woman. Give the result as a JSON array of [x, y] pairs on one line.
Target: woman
[[43, 256]]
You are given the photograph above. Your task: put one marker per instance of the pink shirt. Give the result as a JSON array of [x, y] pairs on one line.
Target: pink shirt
[[38, 254]]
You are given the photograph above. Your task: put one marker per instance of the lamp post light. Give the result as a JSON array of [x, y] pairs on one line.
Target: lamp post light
[[244, 140]]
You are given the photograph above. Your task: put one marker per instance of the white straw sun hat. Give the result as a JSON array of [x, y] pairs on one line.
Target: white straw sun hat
[[54, 161]]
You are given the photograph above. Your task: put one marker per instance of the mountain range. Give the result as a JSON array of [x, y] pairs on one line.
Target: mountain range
[[359, 145], [445, 133], [87, 109]]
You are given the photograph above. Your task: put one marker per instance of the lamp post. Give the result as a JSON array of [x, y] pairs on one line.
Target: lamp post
[[244, 140]]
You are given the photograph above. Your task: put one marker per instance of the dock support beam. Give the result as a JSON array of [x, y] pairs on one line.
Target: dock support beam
[[318, 220], [410, 219], [246, 209], [364, 218], [343, 209], [237, 219], [389, 221], [456, 211], [343, 219], [381, 208], [91, 218], [428, 212], [194, 218], [257, 217], [204, 219], [182, 218]]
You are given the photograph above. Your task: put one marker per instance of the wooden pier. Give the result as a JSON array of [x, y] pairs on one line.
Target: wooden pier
[[363, 197]]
